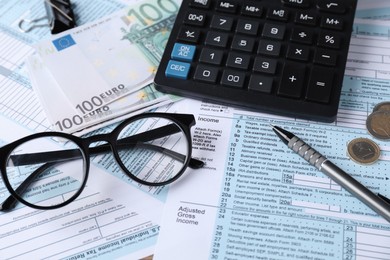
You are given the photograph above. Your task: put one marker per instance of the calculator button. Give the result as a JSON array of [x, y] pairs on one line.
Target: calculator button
[[211, 56], [238, 60], [243, 43], [277, 14], [217, 39], [306, 18], [320, 85], [195, 18], [271, 48], [325, 57], [183, 52], [189, 35], [265, 65], [233, 78], [252, 9], [200, 4], [298, 52], [247, 27], [274, 31], [332, 6], [260, 83], [292, 81], [332, 22], [222, 23], [226, 6], [302, 35], [295, 3], [177, 69], [329, 40], [206, 73]]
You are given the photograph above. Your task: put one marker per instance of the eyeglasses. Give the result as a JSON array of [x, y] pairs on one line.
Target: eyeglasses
[[49, 170]]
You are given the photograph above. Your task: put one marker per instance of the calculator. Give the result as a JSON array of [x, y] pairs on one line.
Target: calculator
[[285, 57]]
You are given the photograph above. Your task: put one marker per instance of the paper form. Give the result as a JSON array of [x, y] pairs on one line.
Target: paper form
[[99, 224], [12, 12], [373, 9], [111, 219], [256, 199]]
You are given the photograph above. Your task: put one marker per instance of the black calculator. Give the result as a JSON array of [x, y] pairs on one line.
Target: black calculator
[[285, 57]]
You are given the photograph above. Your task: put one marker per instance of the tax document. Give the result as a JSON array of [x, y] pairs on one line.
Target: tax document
[[373, 9], [112, 218], [256, 199]]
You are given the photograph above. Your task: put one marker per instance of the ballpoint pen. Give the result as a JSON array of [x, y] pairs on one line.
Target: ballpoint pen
[[378, 203]]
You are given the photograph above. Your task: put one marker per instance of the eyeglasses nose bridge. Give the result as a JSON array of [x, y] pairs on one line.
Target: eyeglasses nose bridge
[[107, 139]]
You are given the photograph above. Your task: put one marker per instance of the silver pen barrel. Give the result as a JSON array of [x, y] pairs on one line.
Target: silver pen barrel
[[340, 177]]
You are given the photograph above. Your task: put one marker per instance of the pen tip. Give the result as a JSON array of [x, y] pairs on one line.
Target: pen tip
[[282, 134], [276, 128]]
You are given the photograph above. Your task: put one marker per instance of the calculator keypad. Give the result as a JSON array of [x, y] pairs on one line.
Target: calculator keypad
[[281, 56]]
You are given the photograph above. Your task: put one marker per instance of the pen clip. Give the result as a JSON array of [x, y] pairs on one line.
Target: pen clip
[[384, 198]]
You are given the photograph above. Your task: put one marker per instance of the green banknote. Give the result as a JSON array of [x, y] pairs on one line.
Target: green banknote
[[103, 71], [151, 22], [100, 62]]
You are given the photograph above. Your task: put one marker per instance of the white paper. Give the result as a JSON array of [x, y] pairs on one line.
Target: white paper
[[65, 118], [30, 234]]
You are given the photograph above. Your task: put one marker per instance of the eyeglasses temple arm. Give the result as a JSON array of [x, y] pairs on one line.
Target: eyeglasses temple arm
[[21, 159], [193, 163], [24, 159], [10, 202]]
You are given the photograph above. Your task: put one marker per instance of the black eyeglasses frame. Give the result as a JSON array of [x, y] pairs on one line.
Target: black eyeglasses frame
[[183, 121]]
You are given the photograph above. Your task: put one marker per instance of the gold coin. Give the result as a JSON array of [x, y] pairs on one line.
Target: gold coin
[[363, 151], [378, 124], [383, 106]]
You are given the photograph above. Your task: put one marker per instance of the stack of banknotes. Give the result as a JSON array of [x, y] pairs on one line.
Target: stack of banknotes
[[102, 72]]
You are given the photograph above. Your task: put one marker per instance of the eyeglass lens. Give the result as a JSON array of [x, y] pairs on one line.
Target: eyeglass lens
[[49, 171], [44, 180], [158, 159]]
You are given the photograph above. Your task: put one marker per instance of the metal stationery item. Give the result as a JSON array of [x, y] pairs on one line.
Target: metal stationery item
[[378, 203], [59, 15], [383, 106], [378, 124], [363, 151]]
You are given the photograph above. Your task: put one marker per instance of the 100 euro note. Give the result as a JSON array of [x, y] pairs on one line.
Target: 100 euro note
[[102, 61], [65, 118], [98, 64]]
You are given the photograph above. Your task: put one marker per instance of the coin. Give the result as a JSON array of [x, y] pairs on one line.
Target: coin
[[378, 124], [383, 106], [363, 151]]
